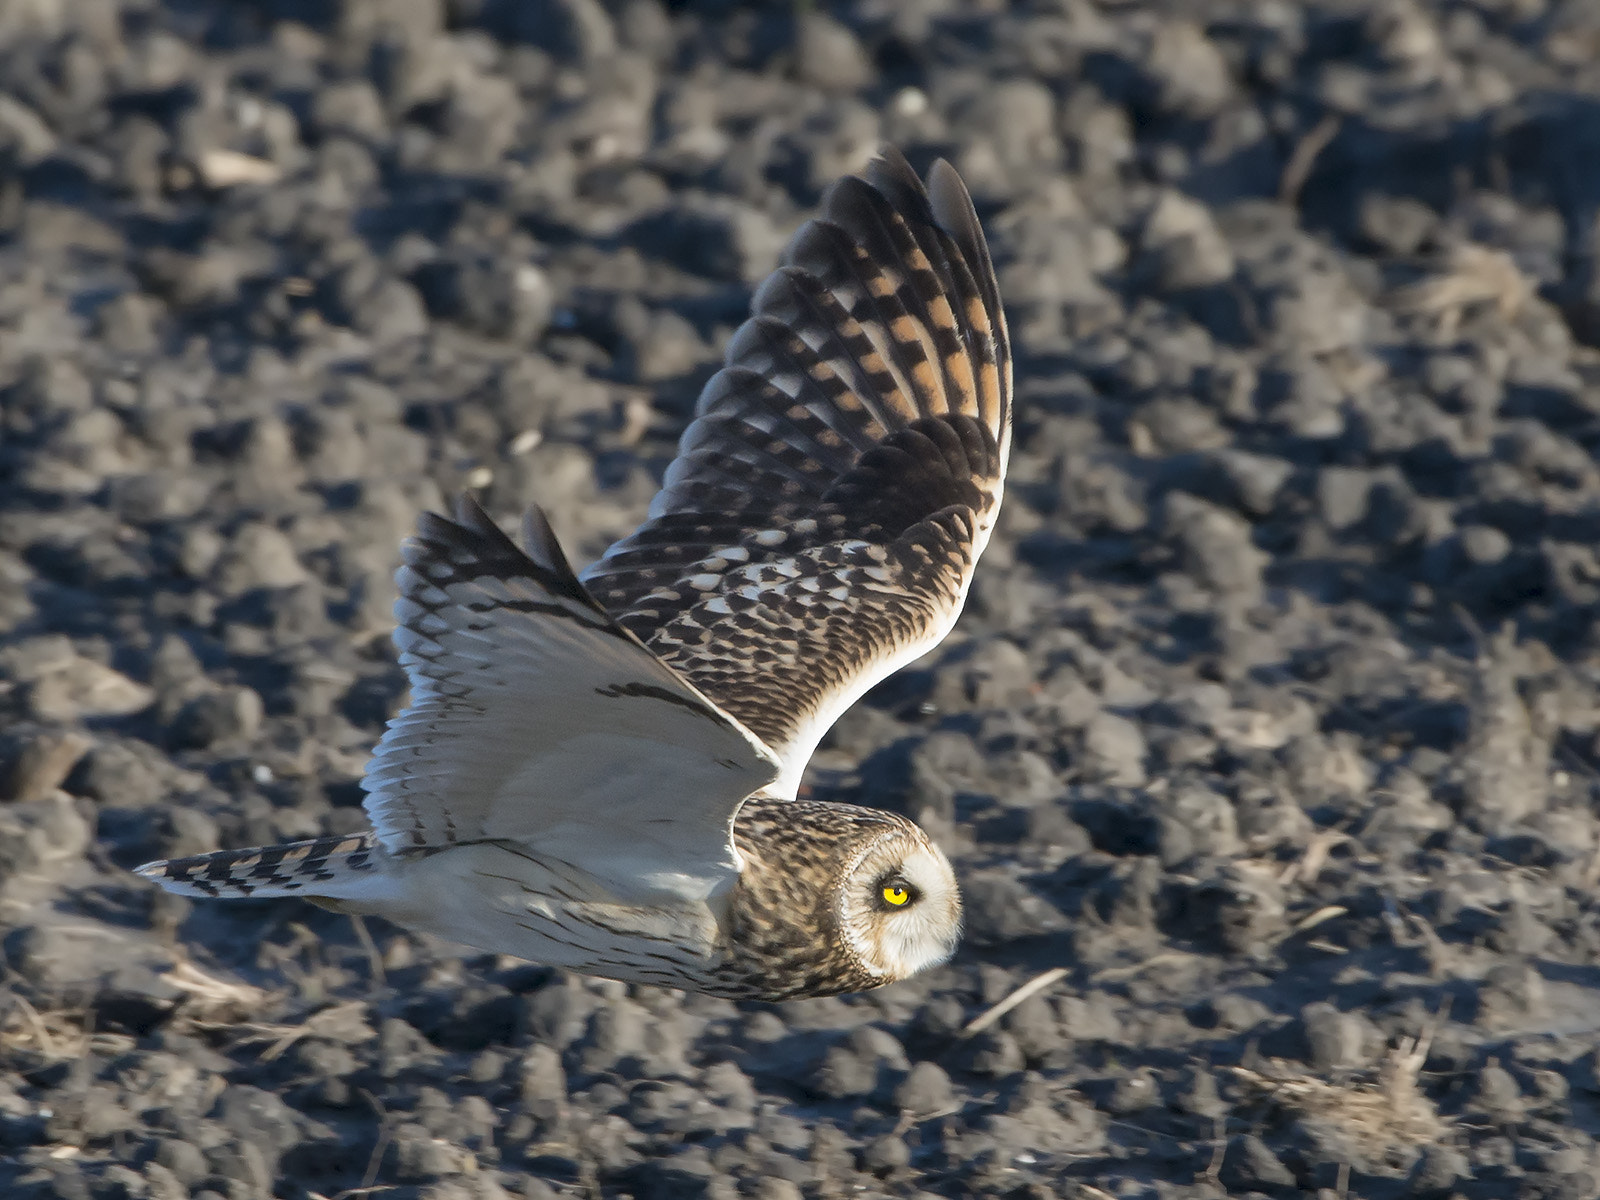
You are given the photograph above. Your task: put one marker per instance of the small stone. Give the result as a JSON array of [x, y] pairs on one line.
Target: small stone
[[886, 1154], [35, 835], [1197, 820], [350, 106], [128, 323], [924, 1091], [64, 686], [828, 55], [23, 132], [543, 1082], [844, 1074], [575, 31], [1217, 547], [259, 556], [1512, 995], [400, 1047], [1248, 1164], [1498, 1095], [183, 1159], [1506, 768], [1483, 544], [616, 1034], [39, 764], [182, 831], [260, 1118], [512, 301], [1188, 73], [221, 716], [1255, 479], [1199, 1095], [1334, 1039], [1182, 246], [1033, 1023], [391, 312], [1017, 120], [1001, 908], [1114, 750], [717, 236], [487, 1067], [419, 1156], [995, 1054], [1439, 1168], [725, 1083], [1235, 910], [988, 674], [1396, 225], [1132, 1092]]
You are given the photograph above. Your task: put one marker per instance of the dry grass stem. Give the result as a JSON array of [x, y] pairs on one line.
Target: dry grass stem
[[1385, 1111], [1304, 156], [341, 1022], [56, 1034], [1472, 275], [1326, 913], [207, 996], [995, 1011], [229, 168], [1308, 866]]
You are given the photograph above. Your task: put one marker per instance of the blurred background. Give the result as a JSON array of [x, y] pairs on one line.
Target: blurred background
[[1271, 723]]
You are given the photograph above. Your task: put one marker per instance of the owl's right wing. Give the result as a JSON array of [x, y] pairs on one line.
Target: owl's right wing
[[537, 721]]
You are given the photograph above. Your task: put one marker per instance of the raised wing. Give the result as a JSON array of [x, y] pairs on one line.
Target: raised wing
[[821, 522], [536, 719]]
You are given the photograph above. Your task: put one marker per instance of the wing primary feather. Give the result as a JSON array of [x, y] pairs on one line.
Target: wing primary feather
[[849, 315], [945, 262], [953, 210], [884, 261]]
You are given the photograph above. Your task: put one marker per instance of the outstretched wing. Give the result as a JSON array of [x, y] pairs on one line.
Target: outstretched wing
[[536, 719], [820, 525]]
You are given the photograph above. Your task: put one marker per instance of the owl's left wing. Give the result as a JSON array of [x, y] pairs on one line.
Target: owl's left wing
[[536, 720], [820, 525]]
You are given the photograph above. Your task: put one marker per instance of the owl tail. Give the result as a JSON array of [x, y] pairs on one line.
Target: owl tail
[[328, 868]]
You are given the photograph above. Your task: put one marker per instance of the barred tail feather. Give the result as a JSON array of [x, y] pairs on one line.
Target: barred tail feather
[[325, 867]]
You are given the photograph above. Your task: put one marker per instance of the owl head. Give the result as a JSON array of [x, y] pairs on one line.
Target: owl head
[[833, 898], [898, 906]]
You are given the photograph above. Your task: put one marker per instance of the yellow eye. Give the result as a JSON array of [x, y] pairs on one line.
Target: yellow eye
[[895, 895]]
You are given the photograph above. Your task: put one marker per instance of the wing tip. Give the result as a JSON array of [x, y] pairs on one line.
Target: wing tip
[[540, 543], [465, 524], [468, 542]]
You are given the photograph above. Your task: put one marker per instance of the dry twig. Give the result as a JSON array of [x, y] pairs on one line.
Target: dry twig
[[995, 1011]]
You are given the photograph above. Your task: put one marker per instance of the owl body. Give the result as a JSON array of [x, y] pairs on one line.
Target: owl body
[[495, 896], [803, 915], [601, 772]]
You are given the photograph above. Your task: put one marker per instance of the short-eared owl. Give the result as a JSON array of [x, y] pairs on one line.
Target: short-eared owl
[[599, 772]]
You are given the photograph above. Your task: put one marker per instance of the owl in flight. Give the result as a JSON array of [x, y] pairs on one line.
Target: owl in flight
[[599, 771]]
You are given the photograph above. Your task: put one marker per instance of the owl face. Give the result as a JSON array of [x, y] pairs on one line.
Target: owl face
[[899, 906], [832, 898]]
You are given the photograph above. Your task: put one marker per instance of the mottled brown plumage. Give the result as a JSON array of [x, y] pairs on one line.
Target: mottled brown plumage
[[784, 930], [821, 522], [601, 774]]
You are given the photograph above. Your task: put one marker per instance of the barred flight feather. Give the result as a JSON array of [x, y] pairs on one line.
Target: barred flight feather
[[866, 403]]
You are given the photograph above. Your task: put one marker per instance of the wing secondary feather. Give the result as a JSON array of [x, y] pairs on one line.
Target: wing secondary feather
[[536, 719]]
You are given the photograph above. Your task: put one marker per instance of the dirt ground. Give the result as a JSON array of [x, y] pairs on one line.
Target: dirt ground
[[1266, 750]]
